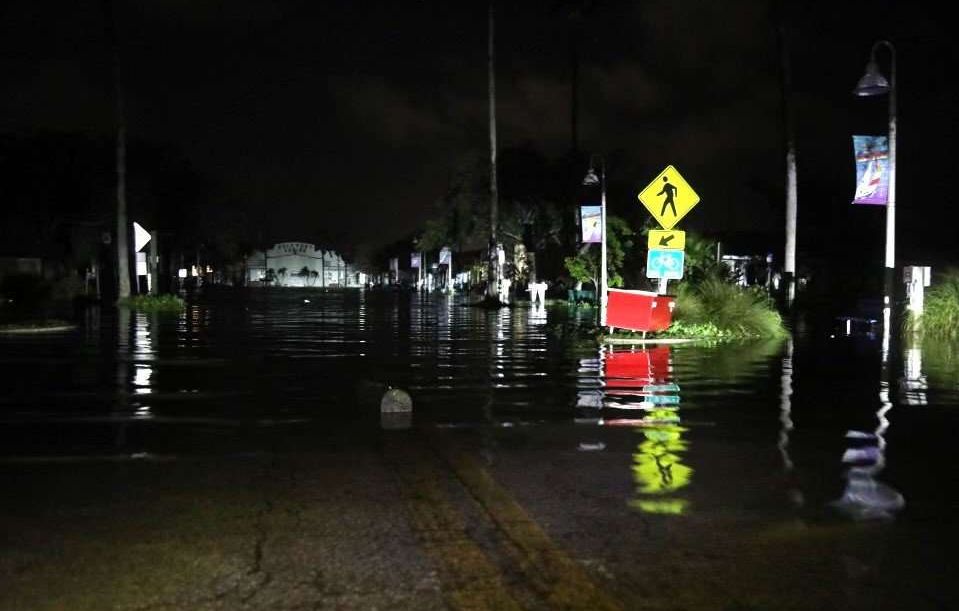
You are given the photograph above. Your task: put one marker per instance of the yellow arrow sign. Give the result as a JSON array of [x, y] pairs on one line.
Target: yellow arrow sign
[[669, 197], [673, 239]]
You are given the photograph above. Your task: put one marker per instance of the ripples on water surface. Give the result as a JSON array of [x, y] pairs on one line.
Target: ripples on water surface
[[239, 367]]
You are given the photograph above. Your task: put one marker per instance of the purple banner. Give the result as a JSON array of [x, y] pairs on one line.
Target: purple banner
[[592, 224], [415, 260], [872, 170]]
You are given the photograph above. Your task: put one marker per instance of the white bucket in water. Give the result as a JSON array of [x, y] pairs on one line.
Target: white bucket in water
[[396, 409]]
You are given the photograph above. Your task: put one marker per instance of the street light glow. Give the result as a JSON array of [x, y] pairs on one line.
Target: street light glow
[[872, 82], [591, 178]]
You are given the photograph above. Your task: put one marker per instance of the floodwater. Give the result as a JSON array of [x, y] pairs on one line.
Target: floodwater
[[817, 431]]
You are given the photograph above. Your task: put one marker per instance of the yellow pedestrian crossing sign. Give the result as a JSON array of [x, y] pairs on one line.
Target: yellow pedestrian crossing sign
[[668, 198]]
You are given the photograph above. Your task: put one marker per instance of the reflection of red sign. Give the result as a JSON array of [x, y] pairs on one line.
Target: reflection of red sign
[[638, 310], [637, 369]]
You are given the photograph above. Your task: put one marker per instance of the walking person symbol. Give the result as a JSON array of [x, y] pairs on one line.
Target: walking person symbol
[[670, 190]]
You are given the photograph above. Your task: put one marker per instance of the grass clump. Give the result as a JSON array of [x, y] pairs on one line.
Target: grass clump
[[940, 316], [697, 330], [154, 303], [936, 330], [714, 309]]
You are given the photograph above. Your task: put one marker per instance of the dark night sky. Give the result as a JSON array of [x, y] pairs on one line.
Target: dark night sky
[[343, 118]]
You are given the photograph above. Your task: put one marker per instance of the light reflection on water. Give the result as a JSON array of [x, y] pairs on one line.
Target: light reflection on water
[[229, 368], [641, 381], [865, 497]]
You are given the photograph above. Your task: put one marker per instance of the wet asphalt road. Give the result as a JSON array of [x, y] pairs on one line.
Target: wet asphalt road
[[435, 519]]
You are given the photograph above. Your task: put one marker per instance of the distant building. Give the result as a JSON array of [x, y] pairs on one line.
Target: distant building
[[300, 264]]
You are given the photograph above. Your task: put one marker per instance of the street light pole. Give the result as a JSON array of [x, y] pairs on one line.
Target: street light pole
[[602, 250], [592, 180], [874, 83]]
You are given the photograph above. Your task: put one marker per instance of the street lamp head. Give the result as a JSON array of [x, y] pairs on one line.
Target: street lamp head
[[591, 178], [872, 82]]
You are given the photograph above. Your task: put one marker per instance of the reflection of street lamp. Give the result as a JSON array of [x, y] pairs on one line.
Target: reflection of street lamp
[[874, 83], [591, 179]]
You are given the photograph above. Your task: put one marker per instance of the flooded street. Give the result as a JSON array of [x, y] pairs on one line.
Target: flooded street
[[231, 457]]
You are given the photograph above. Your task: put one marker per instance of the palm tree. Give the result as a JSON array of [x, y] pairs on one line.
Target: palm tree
[[304, 273], [789, 259], [123, 249], [529, 214], [495, 270]]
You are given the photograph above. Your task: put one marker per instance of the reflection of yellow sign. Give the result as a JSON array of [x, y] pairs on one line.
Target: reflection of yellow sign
[[657, 469], [673, 239], [669, 197]]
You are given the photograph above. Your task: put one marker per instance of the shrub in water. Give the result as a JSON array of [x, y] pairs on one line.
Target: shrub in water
[[714, 308], [154, 303], [940, 317]]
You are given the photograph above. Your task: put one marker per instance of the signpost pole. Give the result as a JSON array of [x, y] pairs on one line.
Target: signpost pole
[[154, 266], [141, 237]]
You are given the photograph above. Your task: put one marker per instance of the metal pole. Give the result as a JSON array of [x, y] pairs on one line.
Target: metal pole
[[873, 83], [602, 251], [154, 263], [890, 259], [891, 203]]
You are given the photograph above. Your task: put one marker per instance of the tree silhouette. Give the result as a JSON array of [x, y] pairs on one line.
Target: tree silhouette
[[306, 274], [584, 267]]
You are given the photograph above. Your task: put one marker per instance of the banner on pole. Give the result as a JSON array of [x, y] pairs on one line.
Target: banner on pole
[[445, 256], [872, 170], [415, 260], [591, 217]]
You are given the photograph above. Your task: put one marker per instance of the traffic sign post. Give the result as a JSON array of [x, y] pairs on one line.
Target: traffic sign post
[[145, 266], [668, 197]]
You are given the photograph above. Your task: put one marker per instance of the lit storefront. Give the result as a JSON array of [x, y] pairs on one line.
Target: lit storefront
[[299, 264]]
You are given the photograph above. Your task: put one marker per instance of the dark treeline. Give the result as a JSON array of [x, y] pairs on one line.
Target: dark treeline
[[59, 202]]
